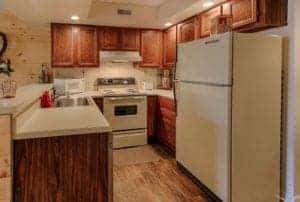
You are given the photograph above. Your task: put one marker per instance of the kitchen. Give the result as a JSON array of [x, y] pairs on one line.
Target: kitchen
[[115, 61]]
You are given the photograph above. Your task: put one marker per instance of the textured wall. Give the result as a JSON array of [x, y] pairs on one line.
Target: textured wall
[[28, 47]]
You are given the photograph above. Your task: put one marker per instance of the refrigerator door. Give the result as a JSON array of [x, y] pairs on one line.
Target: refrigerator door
[[206, 61], [203, 134]]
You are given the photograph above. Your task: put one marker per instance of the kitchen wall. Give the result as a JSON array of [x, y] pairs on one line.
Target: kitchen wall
[[29, 46], [297, 52]]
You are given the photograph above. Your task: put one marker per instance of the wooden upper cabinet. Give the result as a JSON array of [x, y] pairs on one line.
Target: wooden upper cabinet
[[151, 48], [130, 39], [244, 12], [206, 18], [62, 45], [170, 47], [110, 38], [87, 54], [74, 46], [226, 8], [186, 31], [114, 38], [253, 15]]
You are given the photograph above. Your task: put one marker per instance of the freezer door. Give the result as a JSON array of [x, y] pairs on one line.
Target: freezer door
[[207, 61], [203, 134]]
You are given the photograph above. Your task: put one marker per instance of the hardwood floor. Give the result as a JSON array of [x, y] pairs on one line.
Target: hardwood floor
[[158, 181]]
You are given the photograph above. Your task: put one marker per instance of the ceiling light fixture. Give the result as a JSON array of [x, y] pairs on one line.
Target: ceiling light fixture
[[75, 17], [208, 4], [168, 24]]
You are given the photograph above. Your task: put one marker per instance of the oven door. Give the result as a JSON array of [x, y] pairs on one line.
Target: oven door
[[126, 113]]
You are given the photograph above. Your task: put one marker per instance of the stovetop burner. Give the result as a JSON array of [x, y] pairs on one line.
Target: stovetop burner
[[118, 87]]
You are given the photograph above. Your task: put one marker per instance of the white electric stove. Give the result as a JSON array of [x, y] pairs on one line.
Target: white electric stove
[[125, 108]]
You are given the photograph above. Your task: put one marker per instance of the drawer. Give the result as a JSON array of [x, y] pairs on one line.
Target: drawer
[[166, 103]]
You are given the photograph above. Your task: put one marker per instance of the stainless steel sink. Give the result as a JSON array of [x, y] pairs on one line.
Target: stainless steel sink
[[72, 102]]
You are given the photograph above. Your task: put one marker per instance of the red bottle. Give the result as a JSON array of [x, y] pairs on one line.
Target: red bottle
[[46, 100]]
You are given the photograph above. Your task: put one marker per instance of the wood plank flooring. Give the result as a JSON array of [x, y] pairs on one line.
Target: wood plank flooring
[[159, 181]]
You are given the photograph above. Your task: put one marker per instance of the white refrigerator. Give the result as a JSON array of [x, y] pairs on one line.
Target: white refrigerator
[[228, 95]]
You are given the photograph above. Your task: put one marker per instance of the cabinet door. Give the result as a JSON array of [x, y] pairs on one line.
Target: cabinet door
[[206, 18], [130, 39], [62, 45], [111, 38], [244, 12], [87, 54], [151, 48], [170, 47], [167, 123], [186, 31], [151, 116]]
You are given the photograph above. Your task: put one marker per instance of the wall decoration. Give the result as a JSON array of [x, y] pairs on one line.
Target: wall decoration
[[3, 43]]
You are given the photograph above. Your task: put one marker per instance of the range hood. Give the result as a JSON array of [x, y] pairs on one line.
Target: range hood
[[120, 56]]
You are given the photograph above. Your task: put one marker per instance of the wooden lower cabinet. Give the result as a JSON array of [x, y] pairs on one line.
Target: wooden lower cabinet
[[151, 117], [166, 127], [162, 121], [63, 169]]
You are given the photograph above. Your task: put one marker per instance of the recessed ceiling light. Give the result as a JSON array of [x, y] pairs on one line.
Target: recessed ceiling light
[[208, 4], [168, 24], [75, 17]]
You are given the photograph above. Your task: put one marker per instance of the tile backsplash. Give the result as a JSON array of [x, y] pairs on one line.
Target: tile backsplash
[[108, 70]]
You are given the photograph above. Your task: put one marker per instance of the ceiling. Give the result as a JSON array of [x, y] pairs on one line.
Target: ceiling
[[145, 13], [136, 2]]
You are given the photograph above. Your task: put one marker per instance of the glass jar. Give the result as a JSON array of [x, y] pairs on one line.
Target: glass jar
[[9, 88]]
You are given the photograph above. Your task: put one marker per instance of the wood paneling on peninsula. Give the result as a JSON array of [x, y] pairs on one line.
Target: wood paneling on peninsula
[[73, 168]]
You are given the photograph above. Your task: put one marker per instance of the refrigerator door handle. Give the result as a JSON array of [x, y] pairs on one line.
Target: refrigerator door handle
[[176, 81], [212, 41]]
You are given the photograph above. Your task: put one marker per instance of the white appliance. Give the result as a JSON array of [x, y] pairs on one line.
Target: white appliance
[[120, 56], [125, 108], [228, 94], [69, 86]]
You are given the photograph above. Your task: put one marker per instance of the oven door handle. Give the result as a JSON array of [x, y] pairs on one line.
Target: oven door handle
[[127, 99], [115, 99]]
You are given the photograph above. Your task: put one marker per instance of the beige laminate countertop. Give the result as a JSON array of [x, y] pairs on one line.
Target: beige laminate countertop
[[54, 122], [25, 96]]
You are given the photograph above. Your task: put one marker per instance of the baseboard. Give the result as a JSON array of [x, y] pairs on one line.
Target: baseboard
[[211, 196], [165, 148]]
